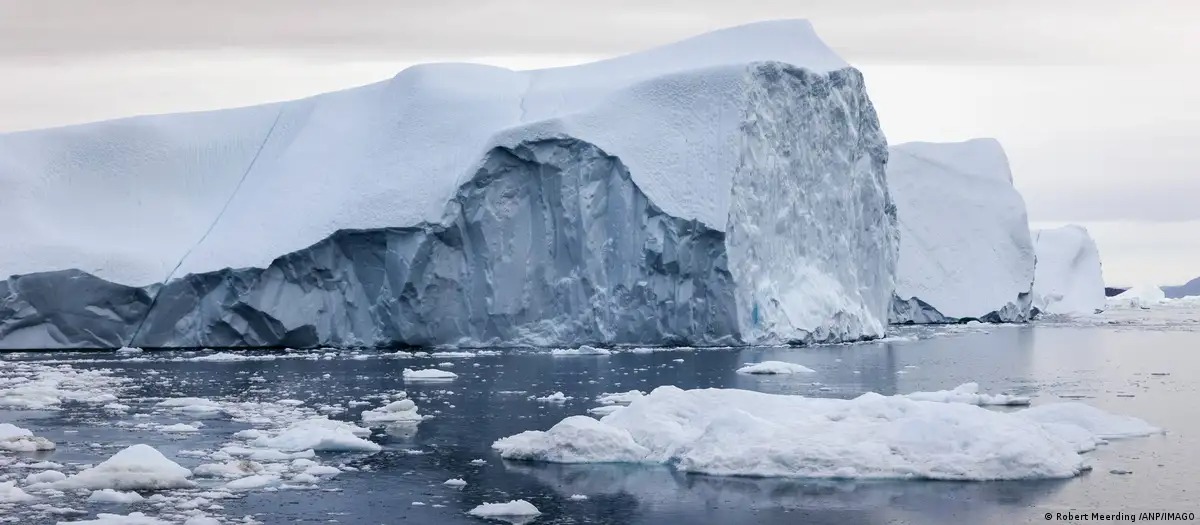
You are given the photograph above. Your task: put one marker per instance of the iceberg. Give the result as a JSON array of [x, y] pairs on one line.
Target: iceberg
[[724, 189], [1068, 278], [941, 435], [965, 247]]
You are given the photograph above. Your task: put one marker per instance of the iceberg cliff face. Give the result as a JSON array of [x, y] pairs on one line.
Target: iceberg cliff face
[[1069, 279], [965, 247], [724, 189]]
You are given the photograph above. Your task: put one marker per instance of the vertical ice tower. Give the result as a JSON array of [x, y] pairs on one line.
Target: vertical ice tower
[[965, 248], [724, 189]]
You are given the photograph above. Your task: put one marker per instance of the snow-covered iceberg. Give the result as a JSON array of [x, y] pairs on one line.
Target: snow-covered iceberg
[[965, 247], [926, 435], [1068, 278], [727, 188]]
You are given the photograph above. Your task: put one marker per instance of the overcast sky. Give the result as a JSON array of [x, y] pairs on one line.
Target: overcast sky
[[1096, 101]]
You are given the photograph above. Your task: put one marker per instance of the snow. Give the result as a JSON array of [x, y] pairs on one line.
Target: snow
[[969, 393], [557, 397], [774, 367], [113, 496], [707, 127], [139, 467], [455, 482], [965, 246], [745, 433], [11, 493], [17, 439], [429, 374], [514, 508], [319, 434], [582, 350], [396, 411], [1068, 279]]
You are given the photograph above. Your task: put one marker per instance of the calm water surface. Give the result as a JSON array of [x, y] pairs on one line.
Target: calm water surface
[[1121, 371]]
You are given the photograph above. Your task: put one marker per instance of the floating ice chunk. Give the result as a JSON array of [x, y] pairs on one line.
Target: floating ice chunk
[[604, 410], [256, 481], [45, 476], [114, 496], [396, 411], [478, 462], [582, 350], [451, 354], [116, 407], [17, 439], [139, 467], [229, 470], [619, 398], [133, 518], [517, 508], [557, 397], [220, 357], [197, 406], [774, 367], [290, 402], [178, 427], [969, 393], [1097, 422], [576, 439], [739, 432], [202, 520], [429, 374], [319, 434], [455, 482], [578, 497], [11, 493], [304, 478], [129, 350], [322, 470]]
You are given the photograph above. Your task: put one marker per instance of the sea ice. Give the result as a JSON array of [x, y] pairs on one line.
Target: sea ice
[[133, 518], [17, 439], [114, 496], [557, 397], [969, 393], [455, 482], [774, 367], [429, 374], [397, 411], [745, 433], [514, 508], [139, 467], [582, 350], [11, 493], [319, 434]]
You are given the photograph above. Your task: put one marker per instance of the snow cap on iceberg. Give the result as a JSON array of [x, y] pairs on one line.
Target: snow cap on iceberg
[[965, 247]]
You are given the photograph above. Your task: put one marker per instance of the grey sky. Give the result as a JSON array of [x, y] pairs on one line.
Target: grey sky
[[1096, 101]]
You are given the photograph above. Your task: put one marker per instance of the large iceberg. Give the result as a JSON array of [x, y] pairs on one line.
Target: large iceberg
[[1068, 279], [965, 248], [725, 189]]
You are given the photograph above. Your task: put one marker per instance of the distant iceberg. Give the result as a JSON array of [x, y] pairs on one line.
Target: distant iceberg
[[1069, 278], [726, 189], [965, 247]]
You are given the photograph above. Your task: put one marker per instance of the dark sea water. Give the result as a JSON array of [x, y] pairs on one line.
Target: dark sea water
[[1150, 374]]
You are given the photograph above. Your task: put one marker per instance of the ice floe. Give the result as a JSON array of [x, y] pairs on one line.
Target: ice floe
[[115, 496], [17, 439], [139, 467], [11, 493], [429, 374], [774, 367], [454, 482], [745, 433], [557, 397], [582, 350], [401, 410], [517, 508], [969, 393], [319, 434]]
